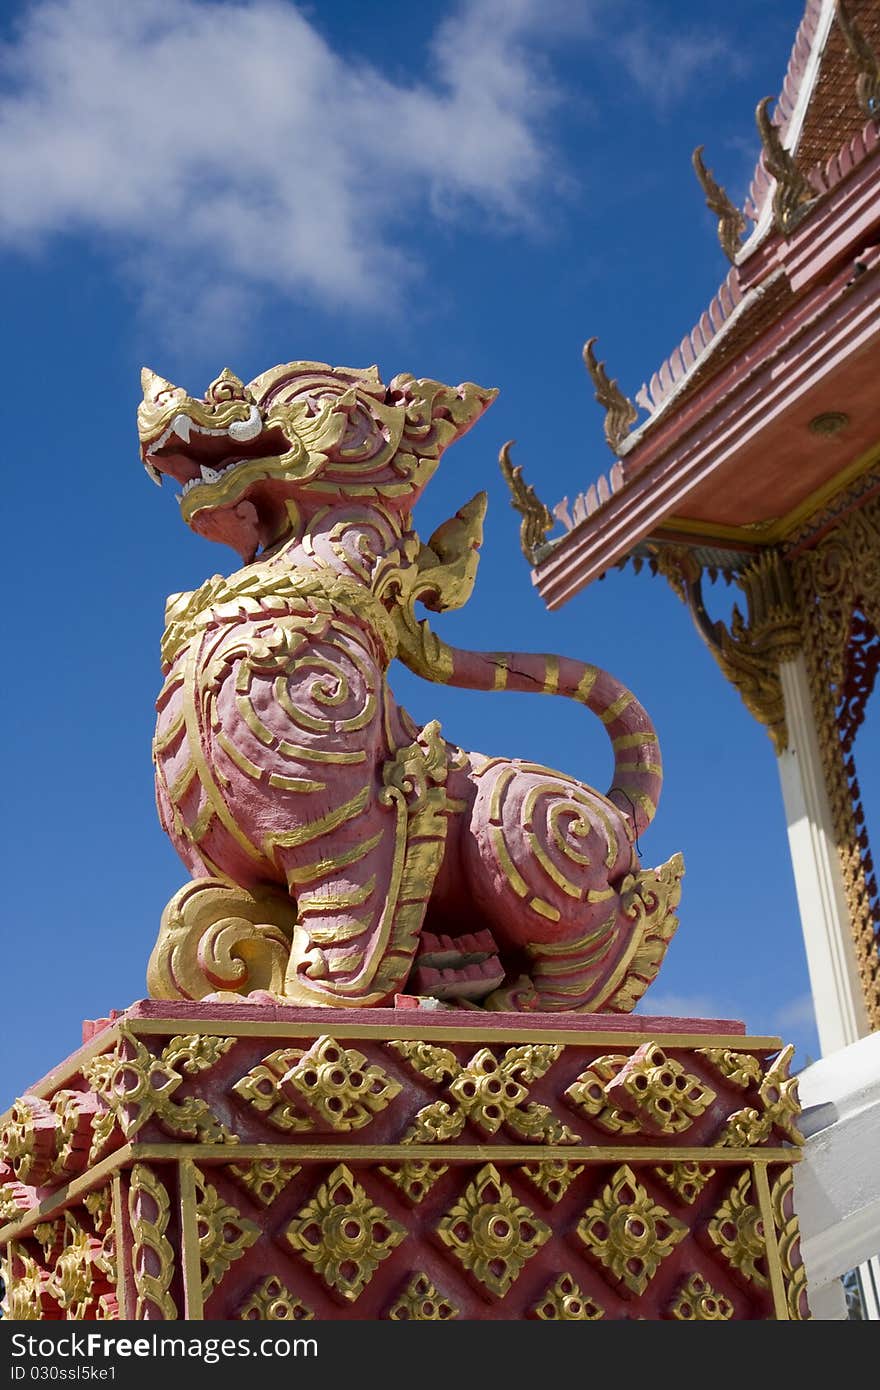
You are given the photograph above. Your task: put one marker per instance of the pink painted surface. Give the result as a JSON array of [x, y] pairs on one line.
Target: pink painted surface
[[283, 761], [545, 1161], [727, 455]]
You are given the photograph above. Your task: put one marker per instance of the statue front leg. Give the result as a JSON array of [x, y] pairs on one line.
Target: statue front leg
[[362, 880]]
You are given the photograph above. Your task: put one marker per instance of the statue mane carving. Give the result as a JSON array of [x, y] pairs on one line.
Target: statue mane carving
[[339, 853]]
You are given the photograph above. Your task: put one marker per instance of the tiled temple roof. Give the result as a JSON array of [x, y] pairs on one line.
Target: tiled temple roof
[[822, 126]]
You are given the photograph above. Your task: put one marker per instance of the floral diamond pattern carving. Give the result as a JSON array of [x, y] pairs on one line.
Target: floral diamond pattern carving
[[564, 1301], [335, 1082], [491, 1232], [627, 1232], [272, 1301], [421, 1301], [697, 1301], [659, 1092], [738, 1231], [343, 1234]]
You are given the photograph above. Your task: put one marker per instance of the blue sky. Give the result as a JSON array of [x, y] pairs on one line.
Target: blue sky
[[461, 191]]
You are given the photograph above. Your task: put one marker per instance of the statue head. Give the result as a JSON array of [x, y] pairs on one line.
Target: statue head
[[254, 459]]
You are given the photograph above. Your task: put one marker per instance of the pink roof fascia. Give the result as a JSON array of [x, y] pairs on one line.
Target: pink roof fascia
[[814, 26], [836, 320], [759, 252]]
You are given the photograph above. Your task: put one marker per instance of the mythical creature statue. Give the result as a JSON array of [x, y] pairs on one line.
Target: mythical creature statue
[[340, 854]]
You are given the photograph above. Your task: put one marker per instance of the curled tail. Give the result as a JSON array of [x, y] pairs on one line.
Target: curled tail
[[638, 772]]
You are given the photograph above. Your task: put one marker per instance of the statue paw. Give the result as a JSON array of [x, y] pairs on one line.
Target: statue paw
[[222, 942]]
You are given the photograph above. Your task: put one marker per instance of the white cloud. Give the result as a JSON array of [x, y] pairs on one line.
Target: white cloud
[[666, 65], [207, 138], [796, 1013], [681, 1006]]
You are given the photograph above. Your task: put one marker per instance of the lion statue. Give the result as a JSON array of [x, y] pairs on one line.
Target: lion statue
[[340, 855]]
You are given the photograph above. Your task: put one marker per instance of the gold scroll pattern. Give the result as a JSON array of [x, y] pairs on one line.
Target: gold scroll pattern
[[152, 1258], [488, 1091], [264, 1178], [780, 1108], [47, 1142], [834, 581], [552, 1177], [645, 1092], [788, 1242]]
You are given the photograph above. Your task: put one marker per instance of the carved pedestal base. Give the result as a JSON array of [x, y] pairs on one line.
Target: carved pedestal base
[[230, 1161]]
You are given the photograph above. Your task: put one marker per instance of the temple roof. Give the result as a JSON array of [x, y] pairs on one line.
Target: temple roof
[[796, 311]]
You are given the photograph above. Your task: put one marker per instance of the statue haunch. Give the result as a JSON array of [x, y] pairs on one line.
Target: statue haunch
[[339, 853]]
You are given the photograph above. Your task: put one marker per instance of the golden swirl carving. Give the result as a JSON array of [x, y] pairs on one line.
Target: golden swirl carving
[[686, 1180], [657, 1089], [552, 1176], [741, 1069], [264, 1178], [214, 937], [26, 1296], [258, 590], [335, 1083], [588, 1094]]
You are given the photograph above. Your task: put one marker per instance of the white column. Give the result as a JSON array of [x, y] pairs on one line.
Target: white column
[[838, 1000]]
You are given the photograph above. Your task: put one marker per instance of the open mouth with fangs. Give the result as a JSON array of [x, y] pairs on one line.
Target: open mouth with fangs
[[198, 456], [234, 479]]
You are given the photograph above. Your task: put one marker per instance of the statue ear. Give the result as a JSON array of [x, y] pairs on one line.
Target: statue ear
[[437, 414]]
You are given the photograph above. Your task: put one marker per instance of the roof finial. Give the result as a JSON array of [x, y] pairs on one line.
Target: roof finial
[[536, 517], [792, 194], [731, 222], [867, 62], [620, 412]]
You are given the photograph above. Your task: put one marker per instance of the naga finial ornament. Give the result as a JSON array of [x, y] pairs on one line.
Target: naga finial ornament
[[537, 518], [731, 221], [867, 63], [339, 853], [793, 193], [620, 413]]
